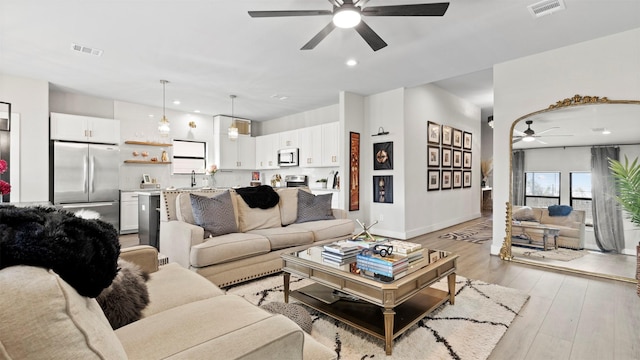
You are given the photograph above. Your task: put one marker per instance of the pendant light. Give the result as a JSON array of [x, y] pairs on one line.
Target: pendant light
[[233, 129], [163, 126]]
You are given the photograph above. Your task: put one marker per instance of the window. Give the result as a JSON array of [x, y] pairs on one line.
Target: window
[[542, 189], [581, 199], [189, 156]]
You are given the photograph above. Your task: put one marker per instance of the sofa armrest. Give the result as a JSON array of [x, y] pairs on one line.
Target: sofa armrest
[[144, 256], [339, 213], [177, 238]]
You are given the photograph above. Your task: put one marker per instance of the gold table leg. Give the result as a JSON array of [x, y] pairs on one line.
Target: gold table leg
[[389, 315]]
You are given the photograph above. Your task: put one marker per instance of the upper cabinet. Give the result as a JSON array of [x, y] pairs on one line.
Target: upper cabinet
[[319, 145], [288, 139], [84, 128], [238, 154], [267, 151]]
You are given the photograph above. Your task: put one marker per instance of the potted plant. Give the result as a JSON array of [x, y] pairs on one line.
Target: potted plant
[[628, 179], [323, 182]]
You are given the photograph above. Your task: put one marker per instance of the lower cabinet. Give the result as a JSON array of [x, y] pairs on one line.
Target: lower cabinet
[[128, 212]]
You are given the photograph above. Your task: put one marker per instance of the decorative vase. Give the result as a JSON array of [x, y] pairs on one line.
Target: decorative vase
[[212, 181]]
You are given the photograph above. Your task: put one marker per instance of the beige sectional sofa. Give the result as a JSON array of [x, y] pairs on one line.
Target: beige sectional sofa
[[572, 226], [254, 250], [188, 317]]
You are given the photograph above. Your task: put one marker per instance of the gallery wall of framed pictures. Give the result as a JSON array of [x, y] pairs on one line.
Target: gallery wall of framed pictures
[[449, 157]]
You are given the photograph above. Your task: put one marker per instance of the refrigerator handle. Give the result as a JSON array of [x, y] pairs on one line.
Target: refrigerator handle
[[85, 180], [92, 167]]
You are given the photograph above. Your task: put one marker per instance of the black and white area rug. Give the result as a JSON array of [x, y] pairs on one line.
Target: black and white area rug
[[470, 329], [477, 233]]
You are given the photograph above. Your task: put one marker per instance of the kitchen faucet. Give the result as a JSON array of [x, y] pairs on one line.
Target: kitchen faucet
[[193, 178]]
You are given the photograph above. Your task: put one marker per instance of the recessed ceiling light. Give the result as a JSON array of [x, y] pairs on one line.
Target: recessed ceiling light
[[150, 115], [196, 111], [279, 97], [176, 102], [606, 132], [352, 62]]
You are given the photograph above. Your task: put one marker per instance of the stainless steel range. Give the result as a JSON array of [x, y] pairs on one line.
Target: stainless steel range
[[296, 180]]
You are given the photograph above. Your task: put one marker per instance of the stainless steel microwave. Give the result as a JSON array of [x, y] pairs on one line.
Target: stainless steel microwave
[[288, 157]]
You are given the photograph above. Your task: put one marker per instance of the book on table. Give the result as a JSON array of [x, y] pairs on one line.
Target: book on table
[[366, 242], [341, 247], [387, 265], [404, 247]]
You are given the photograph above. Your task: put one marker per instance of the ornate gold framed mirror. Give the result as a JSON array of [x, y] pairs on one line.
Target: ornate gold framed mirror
[[572, 122]]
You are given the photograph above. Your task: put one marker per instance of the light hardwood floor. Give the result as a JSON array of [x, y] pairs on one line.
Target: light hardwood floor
[[567, 316]]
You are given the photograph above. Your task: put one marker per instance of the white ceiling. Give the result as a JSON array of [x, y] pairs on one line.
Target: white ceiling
[[209, 49]]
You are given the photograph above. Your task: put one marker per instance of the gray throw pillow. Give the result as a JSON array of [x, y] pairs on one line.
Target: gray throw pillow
[[214, 214], [314, 207]]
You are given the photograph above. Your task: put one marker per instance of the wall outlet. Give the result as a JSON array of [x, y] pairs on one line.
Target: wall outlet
[[380, 217]]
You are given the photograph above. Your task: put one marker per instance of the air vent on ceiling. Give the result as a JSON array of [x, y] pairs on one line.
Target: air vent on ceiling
[[86, 50], [545, 7]]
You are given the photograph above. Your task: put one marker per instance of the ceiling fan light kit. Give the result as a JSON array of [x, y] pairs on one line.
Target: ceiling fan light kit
[[348, 14]]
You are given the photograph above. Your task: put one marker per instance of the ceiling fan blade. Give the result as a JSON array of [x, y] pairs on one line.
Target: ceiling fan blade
[[515, 140], [437, 9], [280, 13], [541, 142], [370, 36], [518, 132], [319, 36], [549, 129]]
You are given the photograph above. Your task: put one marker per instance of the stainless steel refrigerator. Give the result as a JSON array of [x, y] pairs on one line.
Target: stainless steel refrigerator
[[85, 176]]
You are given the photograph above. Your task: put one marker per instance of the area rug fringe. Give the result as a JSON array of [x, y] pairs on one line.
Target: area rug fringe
[[476, 233], [470, 329]]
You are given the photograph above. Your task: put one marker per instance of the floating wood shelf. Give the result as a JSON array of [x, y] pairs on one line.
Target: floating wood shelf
[[147, 162], [131, 142]]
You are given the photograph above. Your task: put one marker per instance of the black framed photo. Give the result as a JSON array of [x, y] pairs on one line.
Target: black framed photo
[[447, 135], [433, 133], [433, 154], [433, 180], [457, 158], [466, 179], [457, 138], [466, 159], [383, 156], [383, 189], [457, 179], [466, 140], [446, 157], [446, 181]]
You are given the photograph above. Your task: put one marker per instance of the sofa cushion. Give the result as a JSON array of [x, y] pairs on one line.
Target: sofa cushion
[[229, 247], [256, 218], [285, 237], [172, 286], [327, 229], [559, 210], [568, 220], [314, 207], [525, 213], [288, 205], [185, 332], [43, 317], [215, 214]]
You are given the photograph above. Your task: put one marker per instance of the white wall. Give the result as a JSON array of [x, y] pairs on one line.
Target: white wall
[[318, 116], [30, 98], [352, 119], [602, 67]]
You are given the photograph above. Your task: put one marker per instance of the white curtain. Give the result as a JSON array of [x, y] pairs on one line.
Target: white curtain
[[607, 216]]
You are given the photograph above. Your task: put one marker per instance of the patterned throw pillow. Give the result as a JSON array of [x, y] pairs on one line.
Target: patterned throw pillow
[[314, 207], [524, 214], [214, 214]]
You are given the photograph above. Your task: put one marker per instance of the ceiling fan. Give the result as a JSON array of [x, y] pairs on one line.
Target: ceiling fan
[[348, 14], [530, 135]]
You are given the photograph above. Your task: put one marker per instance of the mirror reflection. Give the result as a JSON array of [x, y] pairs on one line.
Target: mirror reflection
[[564, 212]]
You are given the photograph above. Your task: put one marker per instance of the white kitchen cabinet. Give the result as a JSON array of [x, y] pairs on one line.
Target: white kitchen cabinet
[[84, 128], [239, 154], [330, 144], [267, 151], [288, 139], [310, 141], [128, 212]]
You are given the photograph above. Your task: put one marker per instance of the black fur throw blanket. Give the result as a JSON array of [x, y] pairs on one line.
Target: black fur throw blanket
[[262, 196], [83, 252]]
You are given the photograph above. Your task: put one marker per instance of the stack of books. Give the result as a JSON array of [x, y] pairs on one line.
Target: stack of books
[[413, 251], [339, 253], [384, 268]]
